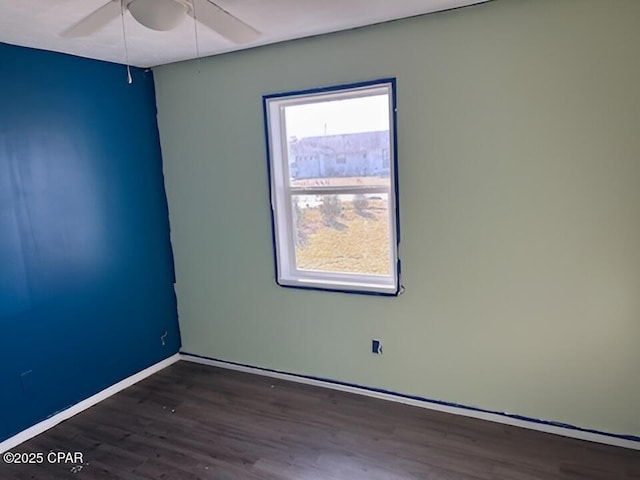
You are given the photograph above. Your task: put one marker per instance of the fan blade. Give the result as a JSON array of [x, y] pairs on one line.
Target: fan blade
[[94, 21], [222, 22]]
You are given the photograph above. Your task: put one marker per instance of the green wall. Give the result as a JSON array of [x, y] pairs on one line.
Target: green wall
[[519, 169]]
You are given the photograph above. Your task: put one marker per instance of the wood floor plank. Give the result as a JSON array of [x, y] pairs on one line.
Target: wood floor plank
[[192, 422]]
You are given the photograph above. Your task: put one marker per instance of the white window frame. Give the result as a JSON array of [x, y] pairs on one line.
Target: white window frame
[[282, 193]]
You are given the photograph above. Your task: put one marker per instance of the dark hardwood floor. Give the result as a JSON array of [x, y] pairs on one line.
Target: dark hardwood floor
[[192, 421]]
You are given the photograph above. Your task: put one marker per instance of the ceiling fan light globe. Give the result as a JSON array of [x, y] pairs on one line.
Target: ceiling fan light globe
[[159, 15]]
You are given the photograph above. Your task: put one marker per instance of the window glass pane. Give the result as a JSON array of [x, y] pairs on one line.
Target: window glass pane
[[342, 233], [339, 142]]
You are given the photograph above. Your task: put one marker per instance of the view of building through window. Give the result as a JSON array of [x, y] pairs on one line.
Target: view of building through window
[[332, 144], [336, 173]]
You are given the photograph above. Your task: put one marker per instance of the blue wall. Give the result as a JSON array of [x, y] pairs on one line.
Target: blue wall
[[86, 269]]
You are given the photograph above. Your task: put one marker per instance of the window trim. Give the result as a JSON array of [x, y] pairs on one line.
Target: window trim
[[281, 221]]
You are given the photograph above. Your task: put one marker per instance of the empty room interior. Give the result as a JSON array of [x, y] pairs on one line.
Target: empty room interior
[[320, 240]]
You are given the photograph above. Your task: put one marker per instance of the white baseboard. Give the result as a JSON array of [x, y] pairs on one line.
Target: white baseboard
[[466, 412], [54, 420]]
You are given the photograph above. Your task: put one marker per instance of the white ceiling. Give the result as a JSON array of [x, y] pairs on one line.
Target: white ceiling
[[38, 23]]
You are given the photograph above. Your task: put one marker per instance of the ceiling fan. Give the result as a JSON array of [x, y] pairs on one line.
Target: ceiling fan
[[165, 15]]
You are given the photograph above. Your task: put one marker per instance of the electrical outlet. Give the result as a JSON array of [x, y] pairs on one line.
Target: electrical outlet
[[376, 347]]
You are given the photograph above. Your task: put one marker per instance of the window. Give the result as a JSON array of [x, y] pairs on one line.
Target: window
[[335, 214]]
